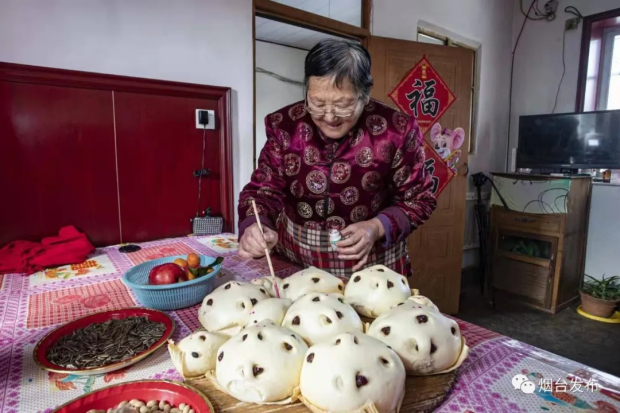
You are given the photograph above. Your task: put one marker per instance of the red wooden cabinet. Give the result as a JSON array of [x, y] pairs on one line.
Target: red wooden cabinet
[[112, 155], [57, 164]]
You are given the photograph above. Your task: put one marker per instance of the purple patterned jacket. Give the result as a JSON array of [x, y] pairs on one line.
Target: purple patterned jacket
[[377, 170]]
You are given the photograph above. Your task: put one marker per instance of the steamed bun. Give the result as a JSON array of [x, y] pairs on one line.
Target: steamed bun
[[350, 371], [309, 280], [195, 354], [261, 364], [416, 298], [318, 317], [228, 307], [268, 285], [375, 290], [427, 341], [270, 309]]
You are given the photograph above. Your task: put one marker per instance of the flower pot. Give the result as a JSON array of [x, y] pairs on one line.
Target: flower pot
[[596, 306]]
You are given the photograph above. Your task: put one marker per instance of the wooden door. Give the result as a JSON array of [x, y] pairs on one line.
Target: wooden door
[[436, 248], [159, 148]]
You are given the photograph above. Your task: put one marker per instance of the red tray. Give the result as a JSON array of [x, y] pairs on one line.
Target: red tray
[[46, 342], [144, 390]]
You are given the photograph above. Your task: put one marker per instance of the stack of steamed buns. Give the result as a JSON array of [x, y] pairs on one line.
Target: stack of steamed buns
[[311, 344]]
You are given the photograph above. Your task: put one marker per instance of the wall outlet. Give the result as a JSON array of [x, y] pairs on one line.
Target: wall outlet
[[571, 24], [211, 117]]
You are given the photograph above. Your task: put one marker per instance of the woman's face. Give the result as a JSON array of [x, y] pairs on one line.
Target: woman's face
[[324, 95]]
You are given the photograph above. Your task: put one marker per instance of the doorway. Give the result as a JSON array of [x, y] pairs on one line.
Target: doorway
[[284, 32], [280, 53]]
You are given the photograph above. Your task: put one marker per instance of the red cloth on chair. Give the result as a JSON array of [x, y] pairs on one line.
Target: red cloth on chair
[[69, 247]]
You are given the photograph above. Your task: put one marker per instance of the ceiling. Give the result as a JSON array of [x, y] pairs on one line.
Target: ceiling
[[347, 11], [287, 34]]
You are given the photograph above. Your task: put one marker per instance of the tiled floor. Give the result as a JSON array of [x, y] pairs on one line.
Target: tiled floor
[[566, 333]]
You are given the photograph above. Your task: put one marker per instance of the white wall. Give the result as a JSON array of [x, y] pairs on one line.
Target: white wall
[[272, 94], [538, 61], [603, 235], [486, 22], [196, 41]]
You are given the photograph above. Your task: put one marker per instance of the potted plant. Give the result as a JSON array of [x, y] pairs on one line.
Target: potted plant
[[600, 297]]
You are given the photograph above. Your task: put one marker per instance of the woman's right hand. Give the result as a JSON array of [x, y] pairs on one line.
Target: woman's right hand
[[253, 244]]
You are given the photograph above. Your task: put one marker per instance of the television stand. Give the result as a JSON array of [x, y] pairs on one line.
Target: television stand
[[538, 244]]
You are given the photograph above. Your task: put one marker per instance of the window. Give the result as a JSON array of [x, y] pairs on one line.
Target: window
[[428, 36], [609, 96], [425, 38], [599, 66]]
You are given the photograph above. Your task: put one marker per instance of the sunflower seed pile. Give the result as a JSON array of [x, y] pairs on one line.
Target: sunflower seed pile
[[100, 344]]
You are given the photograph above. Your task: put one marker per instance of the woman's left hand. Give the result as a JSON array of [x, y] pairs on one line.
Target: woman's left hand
[[358, 241]]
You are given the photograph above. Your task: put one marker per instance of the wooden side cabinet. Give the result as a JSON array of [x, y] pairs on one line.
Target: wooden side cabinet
[[538, 258]]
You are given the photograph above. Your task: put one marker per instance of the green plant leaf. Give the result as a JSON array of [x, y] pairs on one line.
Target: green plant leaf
[[604, 289]]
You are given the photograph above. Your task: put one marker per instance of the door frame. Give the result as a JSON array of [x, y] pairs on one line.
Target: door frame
[[297, 17], [291, 15]]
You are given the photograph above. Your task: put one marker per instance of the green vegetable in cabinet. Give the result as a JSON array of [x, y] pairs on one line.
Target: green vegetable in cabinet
[[531, 248]]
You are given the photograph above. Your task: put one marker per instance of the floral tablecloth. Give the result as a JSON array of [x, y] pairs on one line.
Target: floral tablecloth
[[32, 306]]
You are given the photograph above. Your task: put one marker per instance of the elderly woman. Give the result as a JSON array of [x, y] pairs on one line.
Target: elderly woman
[[338, 160]]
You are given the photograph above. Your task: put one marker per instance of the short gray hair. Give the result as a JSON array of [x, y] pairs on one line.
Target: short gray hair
[[342, 59]]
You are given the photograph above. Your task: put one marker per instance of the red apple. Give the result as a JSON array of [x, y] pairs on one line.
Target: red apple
[[165, 274]]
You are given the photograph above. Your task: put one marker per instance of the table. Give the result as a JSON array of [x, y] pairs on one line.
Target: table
[[32, 306]]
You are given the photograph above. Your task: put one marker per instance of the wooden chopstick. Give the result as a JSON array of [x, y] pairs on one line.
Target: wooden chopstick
[[273, 274]]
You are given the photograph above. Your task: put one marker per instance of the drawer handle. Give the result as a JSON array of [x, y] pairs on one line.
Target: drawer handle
[[526, 219]]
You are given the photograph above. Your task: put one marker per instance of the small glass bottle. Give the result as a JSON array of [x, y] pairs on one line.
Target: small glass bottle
[[334, 237]]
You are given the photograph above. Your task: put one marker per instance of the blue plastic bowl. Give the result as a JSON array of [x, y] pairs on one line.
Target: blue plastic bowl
[[170, 296]]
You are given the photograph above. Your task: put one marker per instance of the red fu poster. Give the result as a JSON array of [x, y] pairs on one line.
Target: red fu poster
[[424, 95]]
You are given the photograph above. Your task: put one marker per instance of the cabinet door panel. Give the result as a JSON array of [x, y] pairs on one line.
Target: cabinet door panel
[[57, 163], [527, 281], [159, 148]]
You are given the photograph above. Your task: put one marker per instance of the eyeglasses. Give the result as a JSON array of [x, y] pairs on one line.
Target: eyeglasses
[[337, 112]]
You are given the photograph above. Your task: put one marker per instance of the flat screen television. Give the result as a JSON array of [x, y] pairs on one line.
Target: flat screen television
[[570, 141]]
